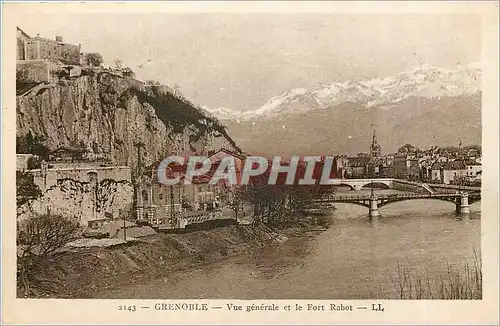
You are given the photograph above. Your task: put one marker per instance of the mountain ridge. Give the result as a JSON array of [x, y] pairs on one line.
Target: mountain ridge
[[425, 81]]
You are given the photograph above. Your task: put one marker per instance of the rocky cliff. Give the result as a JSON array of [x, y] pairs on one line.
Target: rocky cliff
[[111, 115]]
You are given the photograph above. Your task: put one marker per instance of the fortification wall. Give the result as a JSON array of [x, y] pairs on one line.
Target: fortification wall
[[80, 174], [82, 201], [35, 71]]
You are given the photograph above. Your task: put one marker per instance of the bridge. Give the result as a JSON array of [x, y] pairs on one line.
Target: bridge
[[373, 202], [390, 183]]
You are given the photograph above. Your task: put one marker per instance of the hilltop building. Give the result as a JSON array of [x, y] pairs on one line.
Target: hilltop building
[[39, 48], [44, 60]]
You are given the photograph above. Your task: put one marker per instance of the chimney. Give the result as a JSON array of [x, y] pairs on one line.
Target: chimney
[[59, 38]]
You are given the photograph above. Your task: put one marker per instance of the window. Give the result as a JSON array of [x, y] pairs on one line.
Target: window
[[160, 196]]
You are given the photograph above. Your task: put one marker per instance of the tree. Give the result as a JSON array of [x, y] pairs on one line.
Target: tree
[[29, 144], [152, 82], [128, 72], [38, 240], [118, 64], [26, 189], [94, 59], [34, 163], [408, 148], [238, 200]]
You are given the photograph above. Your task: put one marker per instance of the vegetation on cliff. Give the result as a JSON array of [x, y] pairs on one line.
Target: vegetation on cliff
[[178, 112], [26, 189]]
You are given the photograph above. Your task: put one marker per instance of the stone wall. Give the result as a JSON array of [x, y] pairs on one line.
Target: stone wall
[[81, 174], [82, 201], [35, 71], [22, 161]]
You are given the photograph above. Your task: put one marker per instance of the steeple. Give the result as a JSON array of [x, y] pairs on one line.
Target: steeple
[[375, 147]]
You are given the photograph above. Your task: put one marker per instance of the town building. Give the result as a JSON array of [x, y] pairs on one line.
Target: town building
[[473, 169], [454, 172], [341, 162], [161, 204], [413, 173], [437, 172], [425, 163], [401, 165], [239, 159], [358, 167]]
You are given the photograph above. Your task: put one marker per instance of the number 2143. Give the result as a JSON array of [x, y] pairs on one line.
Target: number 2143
[[127, 308]]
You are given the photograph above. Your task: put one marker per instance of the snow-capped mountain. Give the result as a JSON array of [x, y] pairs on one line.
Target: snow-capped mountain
[[222, 113], [425, 81]]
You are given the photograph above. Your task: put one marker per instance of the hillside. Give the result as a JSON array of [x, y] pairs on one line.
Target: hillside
[[111, 114]]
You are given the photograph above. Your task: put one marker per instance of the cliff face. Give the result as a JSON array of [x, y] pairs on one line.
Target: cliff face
[[111, 115]]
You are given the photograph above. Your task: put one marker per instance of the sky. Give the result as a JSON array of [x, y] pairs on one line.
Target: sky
[[240, 61]]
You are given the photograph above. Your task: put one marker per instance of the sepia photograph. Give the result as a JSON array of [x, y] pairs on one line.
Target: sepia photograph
[[250, 156]]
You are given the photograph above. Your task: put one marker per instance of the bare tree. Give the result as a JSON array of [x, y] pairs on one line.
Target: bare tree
[[238, 200], [39, 239]]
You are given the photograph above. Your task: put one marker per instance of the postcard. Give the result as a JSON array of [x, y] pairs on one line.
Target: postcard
[[250, 163]]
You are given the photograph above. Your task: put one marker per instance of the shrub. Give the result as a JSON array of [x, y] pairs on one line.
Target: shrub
[[94, 59], [38, 240], [26, 189], [128, 72]]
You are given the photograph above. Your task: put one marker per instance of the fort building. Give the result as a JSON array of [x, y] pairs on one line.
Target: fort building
[[39, 48], [41, 59]]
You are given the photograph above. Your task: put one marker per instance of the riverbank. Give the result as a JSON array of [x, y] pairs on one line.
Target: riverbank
[[84, 273]]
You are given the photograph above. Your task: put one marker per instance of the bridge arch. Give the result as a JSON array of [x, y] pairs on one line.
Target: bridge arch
[[351, 187], [377, 184], [474, 200]]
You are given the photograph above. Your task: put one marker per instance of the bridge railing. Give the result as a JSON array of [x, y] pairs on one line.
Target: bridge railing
[[385, 196], [453, 187]]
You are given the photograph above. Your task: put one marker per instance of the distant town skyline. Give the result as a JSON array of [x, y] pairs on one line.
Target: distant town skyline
[[240, 61]]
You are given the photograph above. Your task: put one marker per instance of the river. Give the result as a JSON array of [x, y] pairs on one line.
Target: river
[[353, 259]]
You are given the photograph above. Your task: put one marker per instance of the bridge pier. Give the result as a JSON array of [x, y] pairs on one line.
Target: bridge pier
[[462, 205], [373, 207]]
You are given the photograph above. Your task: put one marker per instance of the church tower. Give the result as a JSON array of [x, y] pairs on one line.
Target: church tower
[[375, 149]]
